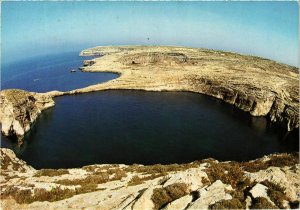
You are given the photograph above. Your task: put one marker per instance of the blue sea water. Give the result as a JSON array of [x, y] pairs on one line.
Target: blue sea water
[[119, 126], [52, 72]]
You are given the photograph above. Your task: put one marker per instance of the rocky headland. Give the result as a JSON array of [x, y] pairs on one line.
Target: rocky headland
[[269, 182], [19, 109], [255, 85], [259, 86]]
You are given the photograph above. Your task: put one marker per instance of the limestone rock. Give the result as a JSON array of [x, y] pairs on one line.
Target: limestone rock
[[9, 162], [212, 194], [180, 203], [192, 177], [284, 177], [144, 201], [18, 179], [19, 109], [248, 202], [284, 114], [259, 190]]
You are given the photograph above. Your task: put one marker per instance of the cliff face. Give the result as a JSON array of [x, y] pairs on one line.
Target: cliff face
[[19, 109], [259, 86], [269, 182]]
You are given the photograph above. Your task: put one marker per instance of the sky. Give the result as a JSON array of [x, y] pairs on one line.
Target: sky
[[266, 29]]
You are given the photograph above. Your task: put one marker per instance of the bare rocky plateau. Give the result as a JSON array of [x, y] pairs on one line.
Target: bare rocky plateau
[[269, 182], [255, 85]]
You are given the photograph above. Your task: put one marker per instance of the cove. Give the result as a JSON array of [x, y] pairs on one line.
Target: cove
[[119, 126]]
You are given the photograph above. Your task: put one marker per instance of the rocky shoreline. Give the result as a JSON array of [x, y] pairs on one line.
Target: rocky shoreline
[[259, 86], [268, 182], [20, 109], [255, 85]]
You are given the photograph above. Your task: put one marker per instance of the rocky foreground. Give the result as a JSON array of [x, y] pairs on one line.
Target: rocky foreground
[[269, 182], [259, 86]]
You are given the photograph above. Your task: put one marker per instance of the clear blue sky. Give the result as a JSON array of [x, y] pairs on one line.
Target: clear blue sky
[[267, 29]]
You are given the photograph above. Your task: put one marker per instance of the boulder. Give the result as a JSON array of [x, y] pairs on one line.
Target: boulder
[[212, 194]]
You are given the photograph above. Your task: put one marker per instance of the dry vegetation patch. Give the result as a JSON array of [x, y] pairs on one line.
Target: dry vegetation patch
[[162, 196], [262, 203], [95, 168], [232, 174], [277, 160], [90, 182], [154, 171], [136, 180], [228, 204], [91, 179], [276, 193], [51, 172], [160, 169], [229, 173], [38, 194]]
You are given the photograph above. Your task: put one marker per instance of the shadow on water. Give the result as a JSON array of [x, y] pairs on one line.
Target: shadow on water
[[147, 127]]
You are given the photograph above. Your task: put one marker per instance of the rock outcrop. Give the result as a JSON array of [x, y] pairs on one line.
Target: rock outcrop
[[88, 62], [271, 181], [19, 109]]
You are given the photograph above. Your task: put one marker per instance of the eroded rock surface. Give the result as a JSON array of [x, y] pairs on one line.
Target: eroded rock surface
[[19, 109], [207, 184], [259, 86]]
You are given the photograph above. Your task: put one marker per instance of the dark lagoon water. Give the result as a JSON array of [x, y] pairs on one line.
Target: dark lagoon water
[[136, 126], [146, 127], [52, 72]]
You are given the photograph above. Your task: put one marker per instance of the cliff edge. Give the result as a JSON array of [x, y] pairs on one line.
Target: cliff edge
[[269, 182], [255, 85], [19, 109]]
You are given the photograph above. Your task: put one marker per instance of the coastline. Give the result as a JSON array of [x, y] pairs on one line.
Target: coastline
[[258, 86], [255, 85]]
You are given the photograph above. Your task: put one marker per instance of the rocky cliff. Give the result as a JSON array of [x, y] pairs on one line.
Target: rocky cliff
[[19, 109], [259, 86], [269, 182], [255, 85]]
